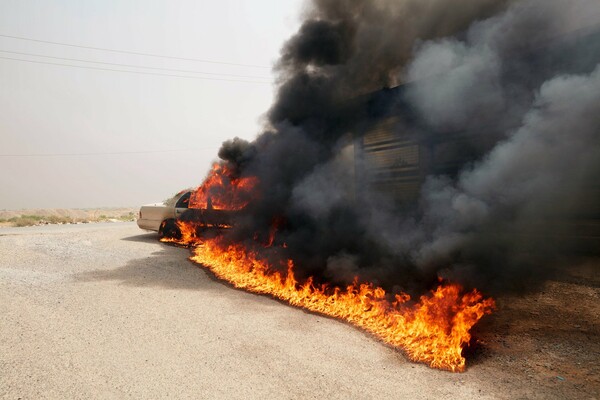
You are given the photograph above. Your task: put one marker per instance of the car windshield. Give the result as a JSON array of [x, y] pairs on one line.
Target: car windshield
[[183, 201], [180, 197]]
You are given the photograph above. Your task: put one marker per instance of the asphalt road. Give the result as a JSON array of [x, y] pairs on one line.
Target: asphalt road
[[106, 311]]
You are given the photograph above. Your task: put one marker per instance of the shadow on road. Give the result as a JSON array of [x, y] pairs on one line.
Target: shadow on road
[[143, 238], [168, 268]]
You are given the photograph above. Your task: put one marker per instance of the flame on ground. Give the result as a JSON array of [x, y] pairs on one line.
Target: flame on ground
[[433, 330], [223, 190]]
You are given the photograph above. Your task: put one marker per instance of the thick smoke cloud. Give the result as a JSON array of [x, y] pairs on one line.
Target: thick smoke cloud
[[479, 223], [503, 72], [541, 113], [320, 43]]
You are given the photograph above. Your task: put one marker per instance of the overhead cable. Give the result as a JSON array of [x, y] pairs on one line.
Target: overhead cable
[[133, 65], [135, 52], [134, 72]]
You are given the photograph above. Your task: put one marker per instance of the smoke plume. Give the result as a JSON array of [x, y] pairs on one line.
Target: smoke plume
[[519, 79]]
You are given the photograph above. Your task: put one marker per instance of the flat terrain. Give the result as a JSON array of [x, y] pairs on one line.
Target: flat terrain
[[43, 216], [81, 213], [105, 311]]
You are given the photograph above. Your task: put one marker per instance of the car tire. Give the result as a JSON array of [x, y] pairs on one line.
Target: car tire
[[169, 230]]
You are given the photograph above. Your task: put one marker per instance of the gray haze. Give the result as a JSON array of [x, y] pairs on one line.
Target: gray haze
[[50, 109]]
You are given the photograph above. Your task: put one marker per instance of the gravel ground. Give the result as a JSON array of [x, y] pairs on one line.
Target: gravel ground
[[106, 311]]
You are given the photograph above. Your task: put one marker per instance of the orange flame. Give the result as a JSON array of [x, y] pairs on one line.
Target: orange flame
[[434, 330], [189, 232], [224, 190]]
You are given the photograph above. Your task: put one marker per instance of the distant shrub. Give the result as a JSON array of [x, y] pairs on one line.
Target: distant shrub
[[29, 220], [55, 219], [33, 217], [127, 217], [24, 221]]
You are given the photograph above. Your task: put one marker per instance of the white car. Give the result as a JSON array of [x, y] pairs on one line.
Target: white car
[[160, 217]]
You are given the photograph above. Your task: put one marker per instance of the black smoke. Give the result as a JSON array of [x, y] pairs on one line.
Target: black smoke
[[520, 78]]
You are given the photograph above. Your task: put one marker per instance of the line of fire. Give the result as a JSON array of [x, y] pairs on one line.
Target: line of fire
[[387, 166]]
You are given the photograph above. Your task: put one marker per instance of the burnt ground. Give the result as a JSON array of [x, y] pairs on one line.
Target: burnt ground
[[545, 344]]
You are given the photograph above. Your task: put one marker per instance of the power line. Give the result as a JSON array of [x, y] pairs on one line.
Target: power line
[[134, 66], [133, 72], [106, 153], [135, 52]]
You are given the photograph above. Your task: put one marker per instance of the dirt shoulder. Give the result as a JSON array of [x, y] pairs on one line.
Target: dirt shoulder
[[546, 344], [105, 311], [45, 216]]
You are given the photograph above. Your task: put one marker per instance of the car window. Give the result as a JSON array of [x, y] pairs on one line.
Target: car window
[[184, 201]]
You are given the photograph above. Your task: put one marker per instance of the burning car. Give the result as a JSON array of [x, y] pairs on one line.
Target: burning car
[[399, 170], [168, 218], [161, 217]]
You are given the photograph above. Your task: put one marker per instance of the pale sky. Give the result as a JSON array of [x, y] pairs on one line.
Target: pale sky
[[55, 119]]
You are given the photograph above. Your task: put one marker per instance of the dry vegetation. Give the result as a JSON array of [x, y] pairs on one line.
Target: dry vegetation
[[19, 218]]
